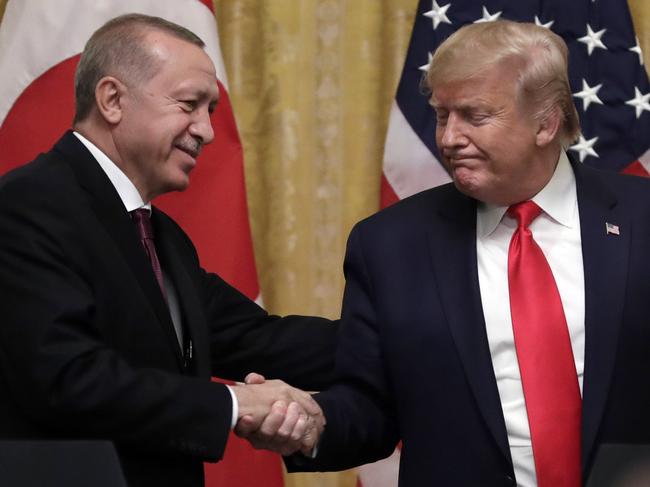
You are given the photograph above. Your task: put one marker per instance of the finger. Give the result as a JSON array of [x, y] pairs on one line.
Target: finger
[[246, 425], [306, 401], [273, 421], [300, 428], [310, 439], [294, 411], [254, 378]]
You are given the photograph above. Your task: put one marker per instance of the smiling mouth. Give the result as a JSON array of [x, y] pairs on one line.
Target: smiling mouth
[[190, 147]]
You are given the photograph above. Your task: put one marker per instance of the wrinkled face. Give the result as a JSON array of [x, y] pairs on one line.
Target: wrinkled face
[[166, 120], [488, 139]]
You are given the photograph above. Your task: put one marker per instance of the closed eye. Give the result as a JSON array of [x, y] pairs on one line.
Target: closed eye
[[441, 116], [478, 118], [188, 105]]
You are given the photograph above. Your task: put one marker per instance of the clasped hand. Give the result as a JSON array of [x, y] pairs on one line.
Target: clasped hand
[[275, 416]]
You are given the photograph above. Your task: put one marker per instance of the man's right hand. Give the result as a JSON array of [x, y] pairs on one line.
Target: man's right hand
[[277, 417]]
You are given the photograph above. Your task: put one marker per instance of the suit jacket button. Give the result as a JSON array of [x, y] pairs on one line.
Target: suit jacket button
[[510, 480]]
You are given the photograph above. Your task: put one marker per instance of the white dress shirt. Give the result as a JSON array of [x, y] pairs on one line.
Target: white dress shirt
[[132, 200], [557, 231]]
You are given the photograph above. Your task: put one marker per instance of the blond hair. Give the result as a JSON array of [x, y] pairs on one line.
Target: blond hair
[[540, 55]]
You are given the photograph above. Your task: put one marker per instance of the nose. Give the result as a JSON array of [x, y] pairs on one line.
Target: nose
[[201, 127], [452, 134]]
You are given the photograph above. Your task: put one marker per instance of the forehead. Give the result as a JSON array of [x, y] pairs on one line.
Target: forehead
[[181, 63], [493, 85]]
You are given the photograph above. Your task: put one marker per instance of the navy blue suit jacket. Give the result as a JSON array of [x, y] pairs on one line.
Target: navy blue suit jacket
[[413, 357]]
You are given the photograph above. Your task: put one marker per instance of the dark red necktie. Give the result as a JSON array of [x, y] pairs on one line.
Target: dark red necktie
[[546, 363], [142, 221]]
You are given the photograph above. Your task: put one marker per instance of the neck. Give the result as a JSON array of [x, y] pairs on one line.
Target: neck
[[102, 137]]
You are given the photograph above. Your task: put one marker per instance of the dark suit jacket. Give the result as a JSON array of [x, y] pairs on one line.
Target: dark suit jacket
[[87, 346], [413, 353]]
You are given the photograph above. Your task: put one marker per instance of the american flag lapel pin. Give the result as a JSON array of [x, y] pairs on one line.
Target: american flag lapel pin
[[611, 229]]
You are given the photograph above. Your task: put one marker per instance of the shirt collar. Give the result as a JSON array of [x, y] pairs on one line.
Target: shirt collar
[[127, 191], [558, 199]]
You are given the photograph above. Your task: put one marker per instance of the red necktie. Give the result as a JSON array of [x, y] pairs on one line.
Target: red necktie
[[546, 363], [142, 221]]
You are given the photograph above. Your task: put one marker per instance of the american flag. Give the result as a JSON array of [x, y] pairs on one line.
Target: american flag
[[608, 80]]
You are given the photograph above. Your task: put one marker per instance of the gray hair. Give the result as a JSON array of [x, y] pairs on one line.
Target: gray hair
[[118, 48]]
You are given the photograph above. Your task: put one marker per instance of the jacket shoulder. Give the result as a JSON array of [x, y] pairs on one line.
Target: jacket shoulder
[[48, 174], [419, 208]]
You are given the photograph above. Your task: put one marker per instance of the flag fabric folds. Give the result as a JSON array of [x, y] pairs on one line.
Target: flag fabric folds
[[608, 80], [40, 43]]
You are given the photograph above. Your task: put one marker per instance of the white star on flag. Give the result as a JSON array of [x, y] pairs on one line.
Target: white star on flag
[[589, 94], [640, 102], [637, 49], [425, 67], [547, 25], [488, 17], [613, 139], [438, 14], [592, 39], [585, 147]]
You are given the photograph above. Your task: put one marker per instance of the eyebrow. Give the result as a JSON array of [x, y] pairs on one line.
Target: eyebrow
[[465, 106]]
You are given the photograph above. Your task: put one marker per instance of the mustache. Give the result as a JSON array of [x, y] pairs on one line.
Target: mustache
[[191, 145]]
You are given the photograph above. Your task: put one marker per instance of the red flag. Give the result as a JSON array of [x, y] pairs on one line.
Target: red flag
[[40, 43]]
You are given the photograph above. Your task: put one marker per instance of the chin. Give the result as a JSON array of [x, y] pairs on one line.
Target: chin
[[467, 185], [182, 186], [177, 185]]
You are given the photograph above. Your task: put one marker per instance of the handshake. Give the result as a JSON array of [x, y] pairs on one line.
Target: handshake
[[275, 416]]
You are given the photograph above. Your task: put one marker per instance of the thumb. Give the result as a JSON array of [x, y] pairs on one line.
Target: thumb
[[254, 378]]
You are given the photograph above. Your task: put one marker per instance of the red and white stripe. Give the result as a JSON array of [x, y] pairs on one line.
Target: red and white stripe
[[640, 167], [409, 166]]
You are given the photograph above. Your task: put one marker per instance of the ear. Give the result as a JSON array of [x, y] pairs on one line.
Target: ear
[[108, 98], [548, 128]]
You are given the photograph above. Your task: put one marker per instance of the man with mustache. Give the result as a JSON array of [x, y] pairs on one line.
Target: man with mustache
[[110, 328], [499, 325]]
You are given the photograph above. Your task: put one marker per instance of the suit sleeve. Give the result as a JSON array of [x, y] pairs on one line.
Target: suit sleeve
[[244, 338], [297, 349], [359, 409], [60, 373]]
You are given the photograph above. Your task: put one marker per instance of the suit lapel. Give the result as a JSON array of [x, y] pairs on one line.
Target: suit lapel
[[112, 215], [174, 262], [452, 240], [605, 260]]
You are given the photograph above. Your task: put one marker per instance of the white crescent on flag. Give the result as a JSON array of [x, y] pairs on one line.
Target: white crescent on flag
[[40, 43]]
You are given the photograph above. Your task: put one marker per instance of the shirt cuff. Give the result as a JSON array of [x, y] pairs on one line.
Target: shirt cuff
[[235, 407], [313, 452]]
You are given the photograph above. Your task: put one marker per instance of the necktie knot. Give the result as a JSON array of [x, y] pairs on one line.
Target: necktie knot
[[524, 212], [142, 220]]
